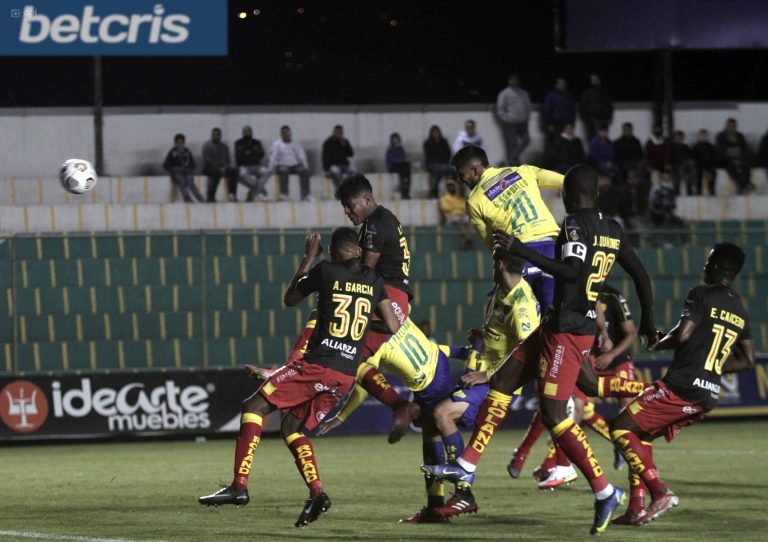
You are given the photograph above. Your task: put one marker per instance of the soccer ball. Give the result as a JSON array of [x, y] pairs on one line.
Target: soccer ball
[[77, 176]]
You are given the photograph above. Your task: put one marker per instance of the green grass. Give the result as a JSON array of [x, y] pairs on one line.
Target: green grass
[[148, 491]]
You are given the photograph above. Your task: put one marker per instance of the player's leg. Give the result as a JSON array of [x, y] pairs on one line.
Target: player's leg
[[248, 438], [447, 414], [636, 507], [602, 386], [433, 452], [535, 429]]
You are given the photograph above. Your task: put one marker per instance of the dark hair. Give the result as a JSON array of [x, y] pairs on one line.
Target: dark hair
[[581, 179], [338, 127], [728, 257], [435, 127], [285, 127], [216, 129], [514, 264], [467, 154], [352, 186], [394, 135], [343, 238], [179, 137]]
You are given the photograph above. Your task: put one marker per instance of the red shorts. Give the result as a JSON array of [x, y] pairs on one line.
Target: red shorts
[[625, 369], [659, 410], [307, 390], [399, 300], [558, 356]]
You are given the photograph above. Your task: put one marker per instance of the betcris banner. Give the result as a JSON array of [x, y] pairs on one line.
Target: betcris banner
[[113, 28]]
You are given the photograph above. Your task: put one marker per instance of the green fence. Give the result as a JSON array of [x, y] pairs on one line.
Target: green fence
[[213, 299]]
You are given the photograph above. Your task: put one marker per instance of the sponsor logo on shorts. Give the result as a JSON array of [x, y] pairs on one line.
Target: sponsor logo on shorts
[[320, 416], [690, 409], [321, 387], [286, 375], [557, 361], [399, 313]]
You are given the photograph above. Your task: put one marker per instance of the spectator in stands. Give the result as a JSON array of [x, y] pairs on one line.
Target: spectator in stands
[[397, 163], [467, 136], [437, 157], [705, 155], [634, 198], [663, 202], [248, 156], [596, 107], [216, 165], [734, 156], [453, 210], [287, 157], [513, 111], [557, 110], [683, 165], [601, 155], [336, 154], [567, 150], [426, 329], [762, 153], [658, 151], [627, 150], [609, 197], [180, 163]]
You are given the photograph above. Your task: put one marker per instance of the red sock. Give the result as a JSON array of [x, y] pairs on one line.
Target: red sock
[[595, 421], [616, 386], [247, 440], [569, 436], [561, 459], [306, 462], [531, 436], [492, 412], [639, 457], [376, 384], [637, 490], [550, 461]]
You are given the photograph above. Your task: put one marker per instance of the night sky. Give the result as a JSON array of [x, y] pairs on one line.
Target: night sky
[[330, 52]]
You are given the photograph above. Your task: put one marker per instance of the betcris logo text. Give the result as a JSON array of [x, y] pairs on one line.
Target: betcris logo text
[[136, 27]]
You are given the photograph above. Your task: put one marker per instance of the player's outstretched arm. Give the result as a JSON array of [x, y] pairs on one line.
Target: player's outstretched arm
[[743, 357], [633, 266], [549, 179], [567, 269], [677, 336], [355, 399], [630, 336], [293, 295], [387, 314]]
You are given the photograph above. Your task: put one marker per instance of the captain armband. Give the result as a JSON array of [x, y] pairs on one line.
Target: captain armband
[[573, 249]]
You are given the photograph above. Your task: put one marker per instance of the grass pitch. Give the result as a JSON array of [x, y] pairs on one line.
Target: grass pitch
[[148, 491]]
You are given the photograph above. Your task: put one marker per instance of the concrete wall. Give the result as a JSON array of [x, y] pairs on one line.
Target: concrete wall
[[37, 141]]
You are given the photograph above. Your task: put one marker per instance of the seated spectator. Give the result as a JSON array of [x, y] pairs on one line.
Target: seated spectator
[[658, 151], [601, 153], [467, 136], [705, 155], [248, 156], [453, 210], [180, 163], [567, 150], [437, 157], [683, 165], [287, 157], [216, 165], [627, 150], [663, 202], [734, 156], [336, 154], [397, 163]]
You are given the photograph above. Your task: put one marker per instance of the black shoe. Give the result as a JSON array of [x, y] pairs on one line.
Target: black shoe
[[226, 495], [312, 509]]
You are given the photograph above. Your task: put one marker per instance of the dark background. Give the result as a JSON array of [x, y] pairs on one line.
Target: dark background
[[373, 51]]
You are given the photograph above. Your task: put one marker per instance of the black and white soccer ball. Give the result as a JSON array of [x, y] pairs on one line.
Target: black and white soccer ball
[[78, 176]]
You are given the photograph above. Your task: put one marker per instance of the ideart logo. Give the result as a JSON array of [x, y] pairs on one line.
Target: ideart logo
[[23, 406]]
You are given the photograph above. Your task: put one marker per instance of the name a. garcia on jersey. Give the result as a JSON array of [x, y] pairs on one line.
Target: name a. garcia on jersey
[[604, 241], [354, 288], [725, 316], [345, 349]]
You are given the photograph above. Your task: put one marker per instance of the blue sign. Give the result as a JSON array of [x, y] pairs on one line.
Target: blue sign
[[113, 28]]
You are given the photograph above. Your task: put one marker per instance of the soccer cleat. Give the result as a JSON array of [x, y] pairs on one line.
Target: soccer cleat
[[516, 464], [425, 515], [226, 495], [605, 508], [460, 503], [401, 420], [451, 472], [618, 459], [658, 507], [312, 509], [558, 476], [539, 474], [629, 517]]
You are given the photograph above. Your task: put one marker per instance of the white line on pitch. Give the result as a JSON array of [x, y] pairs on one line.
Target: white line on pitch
[[50, 536]]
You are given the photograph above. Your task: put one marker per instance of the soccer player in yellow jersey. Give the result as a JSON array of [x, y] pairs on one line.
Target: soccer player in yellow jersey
[[509, 199]]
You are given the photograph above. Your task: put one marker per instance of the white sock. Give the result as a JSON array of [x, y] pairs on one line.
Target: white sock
[[466, 465], [604, 493]]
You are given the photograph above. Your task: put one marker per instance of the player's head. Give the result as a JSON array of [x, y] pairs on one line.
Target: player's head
[[506, 263], [470, 162], [356, 197], [724, 262], [579, 188], [344, 245]]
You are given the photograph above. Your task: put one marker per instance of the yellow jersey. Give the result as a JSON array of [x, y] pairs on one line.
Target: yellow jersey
[[509, 199], [509, 318], [409, 355]]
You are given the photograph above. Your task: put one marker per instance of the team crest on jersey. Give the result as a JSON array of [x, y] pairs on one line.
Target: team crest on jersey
[[495, 191], [573, 235], [368, 240]]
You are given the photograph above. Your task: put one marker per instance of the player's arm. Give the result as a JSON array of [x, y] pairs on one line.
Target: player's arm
[[549, 179], [630, 336], [633, 266], [743, 357], [604, 340], [387, 314], [478, 220], [694, 310], [371, 258], [567, 269], [307, 279]]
